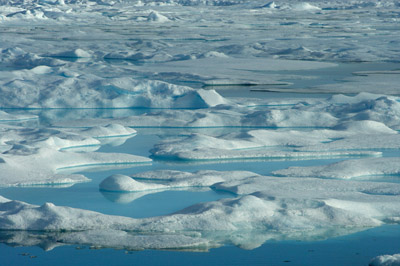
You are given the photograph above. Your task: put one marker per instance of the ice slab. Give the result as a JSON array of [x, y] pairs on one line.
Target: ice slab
[[282, 144], [347, 169], [168, 179]]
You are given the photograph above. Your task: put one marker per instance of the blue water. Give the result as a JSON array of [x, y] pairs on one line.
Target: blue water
[[352, 250]]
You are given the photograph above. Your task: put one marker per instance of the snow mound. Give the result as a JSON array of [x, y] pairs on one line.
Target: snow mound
[[123, 183], [271, 5], [305, 7], [77, 53], [111, 130], [27, 90], [157, 17]]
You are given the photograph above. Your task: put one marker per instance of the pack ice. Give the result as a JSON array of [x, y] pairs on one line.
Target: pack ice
[[272, 207], [69, 85]]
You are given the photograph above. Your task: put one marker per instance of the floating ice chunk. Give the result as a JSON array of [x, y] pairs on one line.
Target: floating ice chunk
[[111, 130], [123, 183], [77, 53], [200, 98], [215, 54], [306, 7], [254, 144], [347, 169], [271, 5], [168, 179], [39, 70], [43, 166], [157, 17], [386, 260]]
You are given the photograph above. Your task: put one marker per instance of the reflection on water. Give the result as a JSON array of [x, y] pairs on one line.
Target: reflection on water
[[356, 250]]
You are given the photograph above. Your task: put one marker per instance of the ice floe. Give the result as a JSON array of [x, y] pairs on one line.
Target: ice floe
[[305, 113], [28, 90], [267, 205], [386, 260], [33, 156], [347, 169]]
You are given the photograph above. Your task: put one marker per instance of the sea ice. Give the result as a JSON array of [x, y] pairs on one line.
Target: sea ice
[[143, 54], [386, 260], [281, 206], [303, 113], [33, 156], [292, 143], [34, 89], [347, 169]]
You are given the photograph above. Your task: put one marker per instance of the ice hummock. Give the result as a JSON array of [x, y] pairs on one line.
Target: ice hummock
[[38, 89]]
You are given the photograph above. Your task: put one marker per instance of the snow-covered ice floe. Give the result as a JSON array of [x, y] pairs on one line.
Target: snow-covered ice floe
[[34, 156], [334, 111], [347, 169], [386, 260], [271, 207]]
